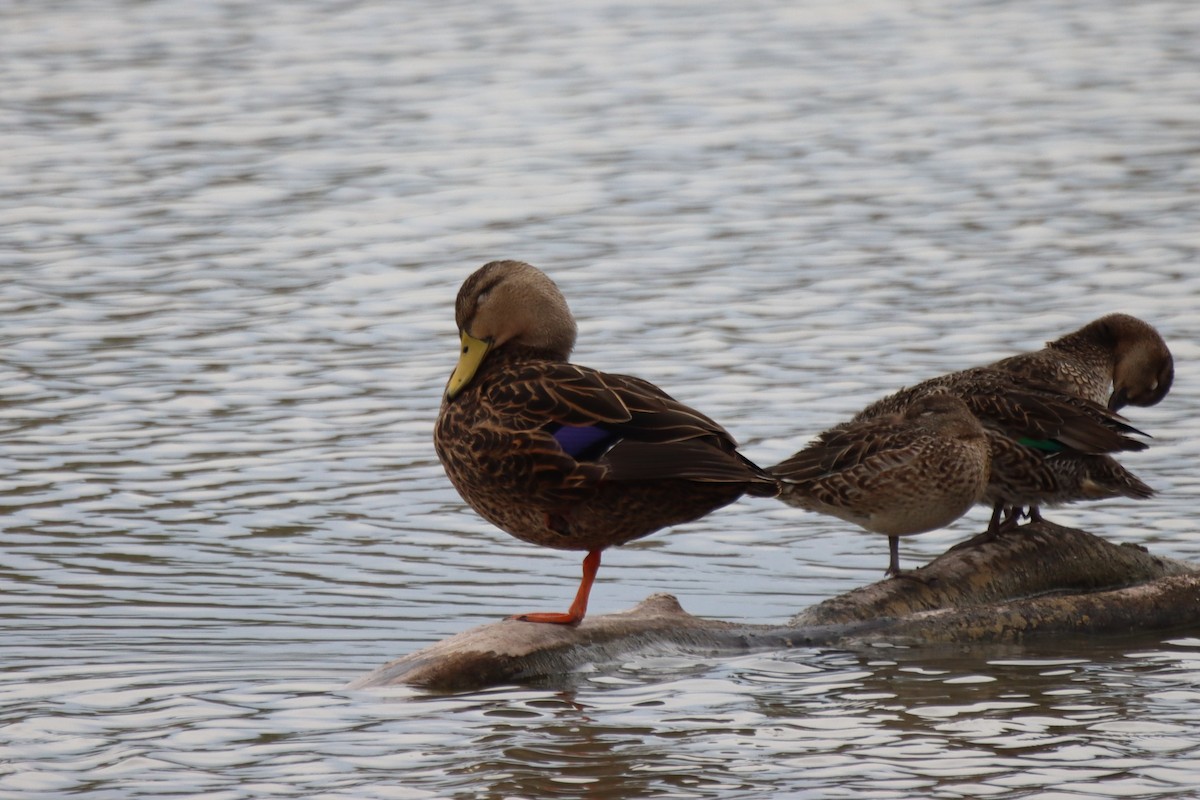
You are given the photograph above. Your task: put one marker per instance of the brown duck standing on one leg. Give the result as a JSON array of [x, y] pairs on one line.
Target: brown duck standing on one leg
[[897, 474], [564, 456]]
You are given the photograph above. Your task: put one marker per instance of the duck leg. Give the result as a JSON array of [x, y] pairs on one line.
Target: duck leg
[[1012, 518], [575, 614], [993, 528], [893, 569]]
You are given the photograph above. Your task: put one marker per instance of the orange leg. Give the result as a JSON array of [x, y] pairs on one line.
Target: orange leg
[[591, 564]]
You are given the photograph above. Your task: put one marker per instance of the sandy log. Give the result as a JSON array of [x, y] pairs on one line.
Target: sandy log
[[1040, 579], [509, 651]]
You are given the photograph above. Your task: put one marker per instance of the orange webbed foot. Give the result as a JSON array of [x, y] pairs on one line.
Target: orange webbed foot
[[578, 609]]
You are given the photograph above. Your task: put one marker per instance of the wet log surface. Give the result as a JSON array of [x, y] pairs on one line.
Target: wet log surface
[[1039, 580]]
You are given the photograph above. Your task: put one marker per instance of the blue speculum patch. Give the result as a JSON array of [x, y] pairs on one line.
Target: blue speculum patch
[[583, 442]]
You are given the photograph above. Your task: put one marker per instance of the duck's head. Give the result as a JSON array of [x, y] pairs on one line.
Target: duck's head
[[1143, 369], [509, 304], [946, 414]]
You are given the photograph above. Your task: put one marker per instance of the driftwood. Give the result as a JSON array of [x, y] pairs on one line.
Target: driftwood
[[1041, 579]]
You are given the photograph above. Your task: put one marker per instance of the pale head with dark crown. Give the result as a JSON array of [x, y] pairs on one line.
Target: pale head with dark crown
[[509, 304]]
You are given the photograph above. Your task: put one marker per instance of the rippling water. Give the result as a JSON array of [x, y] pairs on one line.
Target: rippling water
[[232, 237]]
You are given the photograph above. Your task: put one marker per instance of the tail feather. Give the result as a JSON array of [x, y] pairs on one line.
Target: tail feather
[[1107, 478]]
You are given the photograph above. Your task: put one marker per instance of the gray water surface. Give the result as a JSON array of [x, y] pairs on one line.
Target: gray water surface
[[231, 238]]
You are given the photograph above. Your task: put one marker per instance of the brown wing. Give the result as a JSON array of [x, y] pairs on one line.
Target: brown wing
[[840, 448], [654, 436], [1035, 412], [547, 391], [1024, 411]]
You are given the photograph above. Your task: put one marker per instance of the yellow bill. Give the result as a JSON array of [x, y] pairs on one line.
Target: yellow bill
[[469, 359]]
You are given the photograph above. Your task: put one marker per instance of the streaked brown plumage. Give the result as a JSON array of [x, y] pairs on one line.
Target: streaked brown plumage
[[565, 456], [1116, 360], [1047, 446], [897, 474]]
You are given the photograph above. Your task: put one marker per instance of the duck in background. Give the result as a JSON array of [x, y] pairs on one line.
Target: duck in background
[[1116, 360], [564, 456], [1051, 419], [896, 474]]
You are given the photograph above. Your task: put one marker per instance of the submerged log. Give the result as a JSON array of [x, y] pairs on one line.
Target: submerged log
[[1041, 579]]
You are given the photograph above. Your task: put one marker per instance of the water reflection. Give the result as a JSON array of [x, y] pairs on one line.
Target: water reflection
[[885, 726]]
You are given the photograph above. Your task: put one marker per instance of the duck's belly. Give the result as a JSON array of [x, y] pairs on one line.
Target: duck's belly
[[613, 514]]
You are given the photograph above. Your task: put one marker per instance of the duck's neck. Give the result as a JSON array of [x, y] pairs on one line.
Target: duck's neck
[[1094, 344], [513, 353]]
